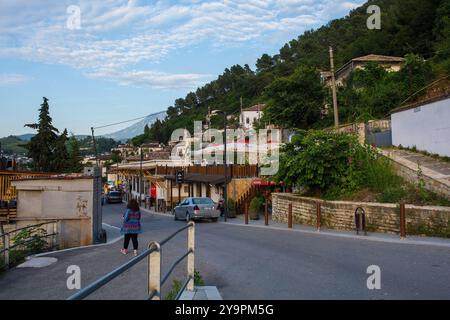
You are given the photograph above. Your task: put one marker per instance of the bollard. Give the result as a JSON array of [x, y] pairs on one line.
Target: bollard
[[266, 213], [290, 216], [319, 215], [402, 221], [246, 212], [360, 220]]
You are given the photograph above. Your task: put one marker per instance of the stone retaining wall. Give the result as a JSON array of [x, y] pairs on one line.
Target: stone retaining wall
[[438, 186], [429, 220]]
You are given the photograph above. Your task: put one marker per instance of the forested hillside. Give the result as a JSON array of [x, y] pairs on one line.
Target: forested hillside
[[416, 27], [12, 145]]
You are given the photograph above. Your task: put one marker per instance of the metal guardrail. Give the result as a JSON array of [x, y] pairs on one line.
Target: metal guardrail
[[153, 254], [6, 238]]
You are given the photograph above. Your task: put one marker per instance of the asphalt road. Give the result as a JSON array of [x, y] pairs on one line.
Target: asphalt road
[[250, 263]]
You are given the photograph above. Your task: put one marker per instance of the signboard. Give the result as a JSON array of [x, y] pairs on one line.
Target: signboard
[[179, 176]]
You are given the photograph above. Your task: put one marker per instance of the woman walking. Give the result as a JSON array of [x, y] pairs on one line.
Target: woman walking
[[131, 226]]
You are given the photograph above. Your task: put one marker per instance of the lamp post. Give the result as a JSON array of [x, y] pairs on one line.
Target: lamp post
[[225, 194]]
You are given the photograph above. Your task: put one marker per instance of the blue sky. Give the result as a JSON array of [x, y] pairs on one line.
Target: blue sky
[[131, 58]]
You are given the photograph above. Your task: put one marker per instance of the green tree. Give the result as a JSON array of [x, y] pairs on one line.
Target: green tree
[[321, 161], [116, 157], [442, 35], [295, 101], [75, 158], [264, 63], [41, 146], [60, 161]]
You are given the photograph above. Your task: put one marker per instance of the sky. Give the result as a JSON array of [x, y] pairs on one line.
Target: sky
[[102, 62]]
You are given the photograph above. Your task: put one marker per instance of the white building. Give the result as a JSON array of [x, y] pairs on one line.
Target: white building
[[250, 115], [425, 126]]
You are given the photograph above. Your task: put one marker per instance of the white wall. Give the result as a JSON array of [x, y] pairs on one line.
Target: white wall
[[68, 200], [252, 116], [426, 127]]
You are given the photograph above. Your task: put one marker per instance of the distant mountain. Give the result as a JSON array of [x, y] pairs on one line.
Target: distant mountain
[[26, 136], [137, 128]]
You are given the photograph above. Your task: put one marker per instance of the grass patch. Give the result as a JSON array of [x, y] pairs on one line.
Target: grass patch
[[425, 153], [177, 284]]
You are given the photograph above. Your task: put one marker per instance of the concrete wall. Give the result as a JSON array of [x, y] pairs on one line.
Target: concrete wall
[[68, 200], [426, 127], [428, 220]]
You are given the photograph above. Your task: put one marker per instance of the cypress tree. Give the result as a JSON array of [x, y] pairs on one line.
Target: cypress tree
[[60, 160], [74, 156], [41, 146]]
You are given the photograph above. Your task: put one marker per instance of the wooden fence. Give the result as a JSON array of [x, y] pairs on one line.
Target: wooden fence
[[8, 192]]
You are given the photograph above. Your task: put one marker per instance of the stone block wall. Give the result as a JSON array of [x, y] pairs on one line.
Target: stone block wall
[[340, 215]]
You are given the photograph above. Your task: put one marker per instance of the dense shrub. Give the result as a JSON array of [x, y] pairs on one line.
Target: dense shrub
[[333, 164], [255, 207], [231, 207], [321, 160]]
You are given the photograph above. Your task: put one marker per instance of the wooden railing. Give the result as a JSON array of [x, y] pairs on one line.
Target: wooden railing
[[234, 171], [246, 198], [8, 214]]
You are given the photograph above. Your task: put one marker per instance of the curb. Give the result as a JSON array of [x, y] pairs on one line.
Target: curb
[[204, 293]]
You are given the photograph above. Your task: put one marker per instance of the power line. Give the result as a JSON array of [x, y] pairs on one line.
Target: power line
[[125, 121]]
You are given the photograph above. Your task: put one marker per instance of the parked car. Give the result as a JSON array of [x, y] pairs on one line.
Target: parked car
[[114, 197], [196, 208]]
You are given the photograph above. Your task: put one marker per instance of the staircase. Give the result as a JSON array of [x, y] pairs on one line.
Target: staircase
[[244, 200]]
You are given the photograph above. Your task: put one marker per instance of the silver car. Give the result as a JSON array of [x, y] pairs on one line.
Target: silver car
[[196, 208]]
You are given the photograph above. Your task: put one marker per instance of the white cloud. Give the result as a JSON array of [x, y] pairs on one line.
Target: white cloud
[[154, 79], [8, 79], [117, 37]]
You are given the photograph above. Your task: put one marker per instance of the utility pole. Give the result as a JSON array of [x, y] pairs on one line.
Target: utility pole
[[225, 191], [95, 147], [140, 175], [333, 89], [241, 116]]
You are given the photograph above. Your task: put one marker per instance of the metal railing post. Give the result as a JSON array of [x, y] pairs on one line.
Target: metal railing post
[[6, 245], [154, 271], [290, 215], [191, 256]]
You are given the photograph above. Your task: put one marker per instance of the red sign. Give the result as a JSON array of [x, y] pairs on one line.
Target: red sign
[[153, 191], [263, 182]]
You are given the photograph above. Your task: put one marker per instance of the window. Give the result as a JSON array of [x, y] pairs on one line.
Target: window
[[202, 201], [186, 189], [247, 120]]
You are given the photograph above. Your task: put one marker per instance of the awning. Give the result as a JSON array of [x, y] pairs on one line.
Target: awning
[[212, 179], [158, 180], [263, 182]]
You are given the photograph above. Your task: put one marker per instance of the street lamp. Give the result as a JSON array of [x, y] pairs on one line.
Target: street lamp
[[225, 194]]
